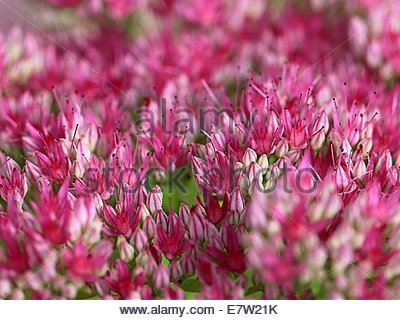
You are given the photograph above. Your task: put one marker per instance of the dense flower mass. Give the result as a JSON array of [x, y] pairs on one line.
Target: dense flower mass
[[201, 149]]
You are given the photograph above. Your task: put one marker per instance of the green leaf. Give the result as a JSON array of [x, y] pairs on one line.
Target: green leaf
[[317, 289], [191, 285], [165, 261]]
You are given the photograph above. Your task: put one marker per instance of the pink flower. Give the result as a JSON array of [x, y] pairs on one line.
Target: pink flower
[[123, 220], [172, 241], [232, 259], [120, 281], [54, 214], [87, 265]]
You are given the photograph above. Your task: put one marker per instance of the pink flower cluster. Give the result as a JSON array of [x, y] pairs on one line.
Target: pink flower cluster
[[201, 149]]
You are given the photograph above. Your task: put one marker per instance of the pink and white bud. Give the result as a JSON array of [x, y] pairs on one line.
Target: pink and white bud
[[243, 181], [69, 291], [354, 136], [282, 148], [234, 218], [78, 169], [359, 32], [32, 171], [188, 265], [254, 172], [5, 287], [140, 196], [143, 212], [345, 147], [65, 145], [92, 136], [273, 122], [154, 201], [210, 150], [126, 251], [236, 202], [255, 187], [249, 156], [263, 162], [359, 168], [336, 138], [367, 146], [256, 211], [385, 161], [175, 271], [17, 295], [238, 166], [341, 178], [294, 155], [322, 123], [149, 227], [161, 277], [318, 140], [139, 240], [184, 214], [161, 219], [273, 171], [394, 176], [374, 54], [196, 228], [33, 280], [215, 241], [83, 220], [198, 165]]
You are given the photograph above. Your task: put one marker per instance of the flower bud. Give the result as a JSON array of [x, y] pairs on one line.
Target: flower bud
[[77, 169], [154, 201], [209, 150], [234, 218], [263, 162], [149, 227], [17, 295], [385, 161], [143, 212], [5, 287], [161, 277], [294, 155], [249, 156], [198, 165], [341, 179], [175, 270], [318, 140], [92, 136], [359, 168], [354, 136], [69, 291], [322, 123], [273, 171], [394, 176], [236, 201], [367, 146], [184, 214], [139, 240], [140, 196], [161, 219], [282, 148], [345, 147], [374, 54], [254, 172], [196, 228], [359, 29], [243, 181], [188, 265]]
